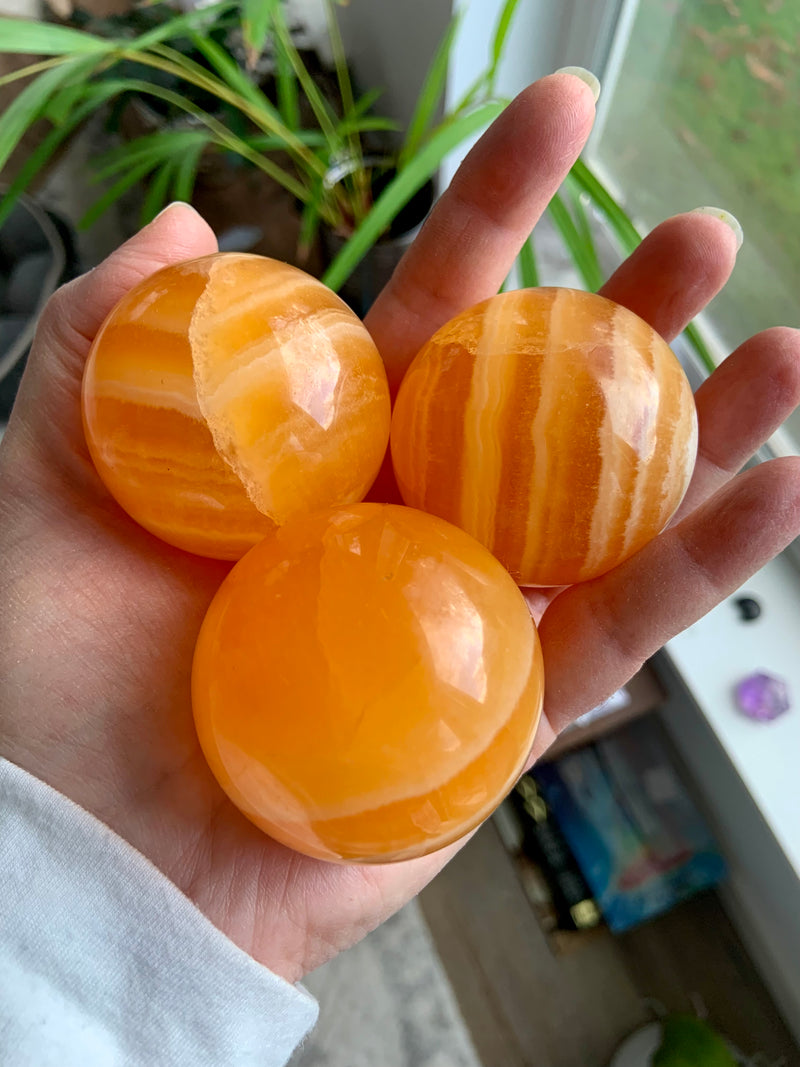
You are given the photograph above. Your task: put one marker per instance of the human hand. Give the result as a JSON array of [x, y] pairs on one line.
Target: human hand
[[99, 619]]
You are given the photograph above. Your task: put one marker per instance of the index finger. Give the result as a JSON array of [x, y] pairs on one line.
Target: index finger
[[473, 235]]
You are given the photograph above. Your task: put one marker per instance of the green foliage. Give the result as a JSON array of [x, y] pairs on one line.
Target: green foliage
[[256, 16], [409, 181], [576, 235], [528, 270], [499, 40], [431, 94], [25, 37], [583, 180], [182, 62]]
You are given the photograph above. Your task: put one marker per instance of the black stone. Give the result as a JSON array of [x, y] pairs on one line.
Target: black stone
[[749, 609]]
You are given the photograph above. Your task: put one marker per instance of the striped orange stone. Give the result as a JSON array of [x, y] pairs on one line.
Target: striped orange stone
[[225, 395], [555, 426], [367, 683]]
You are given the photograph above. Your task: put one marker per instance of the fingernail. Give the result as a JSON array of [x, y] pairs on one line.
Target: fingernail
[[585, 76], [171, 206], [726, 217]]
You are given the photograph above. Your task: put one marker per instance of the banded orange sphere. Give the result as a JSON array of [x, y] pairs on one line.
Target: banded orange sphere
[[367, 683], [225, 395], [555, 426]]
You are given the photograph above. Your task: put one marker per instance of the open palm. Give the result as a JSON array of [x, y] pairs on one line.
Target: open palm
[[100, 619]]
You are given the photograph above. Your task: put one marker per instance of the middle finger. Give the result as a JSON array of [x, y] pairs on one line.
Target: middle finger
[[475, 231]]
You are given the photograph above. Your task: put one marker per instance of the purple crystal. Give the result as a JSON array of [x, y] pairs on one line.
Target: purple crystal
[[763, 696]]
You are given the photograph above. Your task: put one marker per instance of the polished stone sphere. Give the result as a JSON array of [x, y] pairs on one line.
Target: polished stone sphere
[[555, 426], [367, 683], [226, 395]]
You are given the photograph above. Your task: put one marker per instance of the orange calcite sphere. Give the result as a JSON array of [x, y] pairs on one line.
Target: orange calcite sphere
[[367, 683], [225, 395], [555, 426]]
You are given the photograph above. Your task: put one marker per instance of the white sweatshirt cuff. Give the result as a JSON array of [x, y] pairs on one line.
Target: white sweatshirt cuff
[[103, 961]]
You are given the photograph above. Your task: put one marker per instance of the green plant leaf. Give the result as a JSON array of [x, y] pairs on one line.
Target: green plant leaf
[[230, 71], [181, 24], [483, 86], [122, 156], [220, 135], [502, 27], [270, 142], [223, 136], [629, 239], [94, 97], [172, 61], [288, 95], [261, 112], [30, 70], [62, 102], [587, 266], [28, 36], [319, 105], [186, 171], [361, 125], [365, 102], [399, 191], [339, 58], [256, 16], [695, 339], [626, 232], [431, 93], [584, 229], [476, 91], [576, 195], [103, 203], [78, 88], [526, 262], [156, 147], [26, 108], [157, 193], [343, 81]]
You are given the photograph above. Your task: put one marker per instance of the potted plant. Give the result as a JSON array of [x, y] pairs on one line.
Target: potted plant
[[326, 165], [295, 136]]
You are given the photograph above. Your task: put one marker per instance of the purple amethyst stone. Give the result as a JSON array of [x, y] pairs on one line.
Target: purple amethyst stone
[[763, 697]]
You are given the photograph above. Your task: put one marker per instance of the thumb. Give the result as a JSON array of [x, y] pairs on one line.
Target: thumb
[[47, 416]]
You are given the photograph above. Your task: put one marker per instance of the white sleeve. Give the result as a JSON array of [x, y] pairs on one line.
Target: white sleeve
[[105, 963]]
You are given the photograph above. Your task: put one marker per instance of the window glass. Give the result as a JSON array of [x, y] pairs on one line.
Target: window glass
[[706, 110]]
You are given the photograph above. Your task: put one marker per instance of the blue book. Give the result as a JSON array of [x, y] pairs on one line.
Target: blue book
[[633, 828]]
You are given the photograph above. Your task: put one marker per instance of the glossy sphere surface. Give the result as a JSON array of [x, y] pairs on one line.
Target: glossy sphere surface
[[555, 426], [224, 395], [367, 683]]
